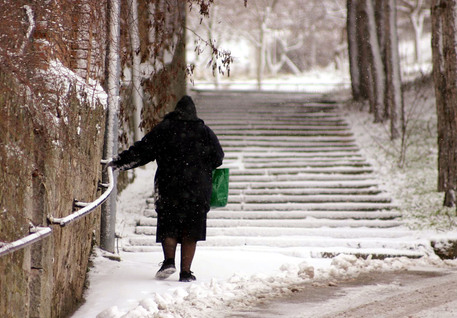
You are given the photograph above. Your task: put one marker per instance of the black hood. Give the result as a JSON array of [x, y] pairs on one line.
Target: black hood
[[185, 109]]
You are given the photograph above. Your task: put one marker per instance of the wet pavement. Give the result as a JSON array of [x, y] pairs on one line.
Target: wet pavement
[[414, 294]]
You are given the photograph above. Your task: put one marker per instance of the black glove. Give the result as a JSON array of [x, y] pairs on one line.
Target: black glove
[[111, 164]]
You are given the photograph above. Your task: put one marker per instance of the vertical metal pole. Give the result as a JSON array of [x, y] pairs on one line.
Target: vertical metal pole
[[108, 216]]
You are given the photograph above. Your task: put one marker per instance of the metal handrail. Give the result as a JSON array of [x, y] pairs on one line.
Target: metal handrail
[[39, 233], [87, 207]]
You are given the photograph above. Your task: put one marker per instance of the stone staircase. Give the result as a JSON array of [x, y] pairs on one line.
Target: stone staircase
[[297, 181]]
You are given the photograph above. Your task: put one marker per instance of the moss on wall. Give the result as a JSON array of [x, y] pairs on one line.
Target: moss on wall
[[45, 166]]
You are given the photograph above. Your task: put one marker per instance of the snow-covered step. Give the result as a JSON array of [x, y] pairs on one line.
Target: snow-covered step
[[284, 132], [281, 122], [304, 169], [322, 232], [298, 241], [334, 177], [327, 158], [287, 143], [315, 139], [150, 214], [297, 223], [317, 252], [281, 198], [242, 127], [324, 206], [331, 166], [300, 184], [307, 191], [274, 117], [295, 154]]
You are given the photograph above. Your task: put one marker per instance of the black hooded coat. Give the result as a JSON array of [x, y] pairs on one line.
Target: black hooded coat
[[186, 151]]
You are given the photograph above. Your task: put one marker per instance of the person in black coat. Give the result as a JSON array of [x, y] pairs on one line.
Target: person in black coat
[[186, 151]]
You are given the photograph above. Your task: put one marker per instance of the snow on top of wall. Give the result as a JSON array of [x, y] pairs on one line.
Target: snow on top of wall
[[91, 92]]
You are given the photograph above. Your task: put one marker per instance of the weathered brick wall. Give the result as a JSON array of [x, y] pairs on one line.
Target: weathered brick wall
[[50, 152], [51, 138]]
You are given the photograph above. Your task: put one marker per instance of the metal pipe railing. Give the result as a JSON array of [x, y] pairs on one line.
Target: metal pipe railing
[[39, 233], [87, 207]]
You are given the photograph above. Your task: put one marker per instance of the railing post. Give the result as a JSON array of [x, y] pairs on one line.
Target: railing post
[[108, 217]]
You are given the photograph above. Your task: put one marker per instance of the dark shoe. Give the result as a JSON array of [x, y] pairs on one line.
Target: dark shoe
[[186, 277], [168, 268]]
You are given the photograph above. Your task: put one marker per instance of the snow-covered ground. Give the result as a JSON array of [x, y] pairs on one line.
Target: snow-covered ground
[[227, 277]]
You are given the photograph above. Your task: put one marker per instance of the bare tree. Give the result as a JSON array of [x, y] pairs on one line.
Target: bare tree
[[417, 11], [262, 40], [353, 49], [394, 96], [137, 90], [281, 47], [444, 33], [374, 60]]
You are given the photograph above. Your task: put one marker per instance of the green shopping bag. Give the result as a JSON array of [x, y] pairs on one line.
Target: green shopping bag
[[219, 196]]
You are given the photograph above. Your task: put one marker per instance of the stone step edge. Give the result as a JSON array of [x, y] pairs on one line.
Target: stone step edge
[[310, 207], [292, 223], [284, 215], [415, 248], [322, 233], [310, 192], [312, 253]]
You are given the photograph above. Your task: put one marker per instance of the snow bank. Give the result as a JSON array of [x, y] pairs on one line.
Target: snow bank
[[242, 291]]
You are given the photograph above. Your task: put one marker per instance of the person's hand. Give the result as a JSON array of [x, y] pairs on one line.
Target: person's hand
[[111, 164]]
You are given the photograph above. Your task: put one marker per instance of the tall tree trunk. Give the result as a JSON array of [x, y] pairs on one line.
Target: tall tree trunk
[[211, 23], [440, 83], [353, 50], [179, 56], [261, 53], [417, 20], [362, 48], [137, 90], [394, 96], [444, 49], [375, 61], [262, 46], [450, 58], [380, 17]]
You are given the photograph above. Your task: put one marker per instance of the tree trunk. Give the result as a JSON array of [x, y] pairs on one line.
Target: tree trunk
[[375, 61], [137, 90], [353, 49], [362, 49], [179, 57], [380, 17], [439, 81], [444, 49], [211, 23], [417, 20], [394, 96], [261, 58]]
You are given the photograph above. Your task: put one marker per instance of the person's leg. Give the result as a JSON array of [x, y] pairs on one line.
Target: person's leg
[[169, 247], [168, 266], [188, 247]]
